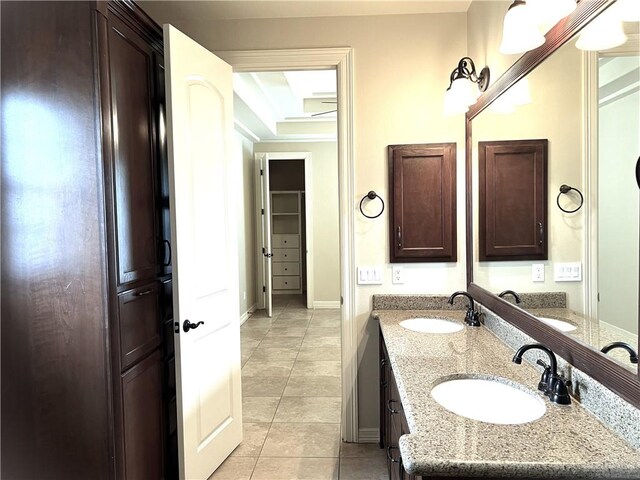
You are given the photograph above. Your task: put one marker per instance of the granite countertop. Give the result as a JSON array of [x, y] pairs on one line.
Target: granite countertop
[[566, 442]]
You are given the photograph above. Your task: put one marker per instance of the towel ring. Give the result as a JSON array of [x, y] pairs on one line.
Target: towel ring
[[371, 196], [566, 189]]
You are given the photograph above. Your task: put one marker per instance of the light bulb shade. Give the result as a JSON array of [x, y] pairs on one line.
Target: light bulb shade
[[520, 32], [459, 97], [547, 13], [603, 33], [628, 10], [518, 94]]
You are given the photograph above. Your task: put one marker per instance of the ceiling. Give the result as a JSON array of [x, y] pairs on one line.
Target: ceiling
[[288, 106], [180, 10]]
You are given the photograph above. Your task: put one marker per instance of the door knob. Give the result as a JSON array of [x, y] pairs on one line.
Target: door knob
[[187, 325]]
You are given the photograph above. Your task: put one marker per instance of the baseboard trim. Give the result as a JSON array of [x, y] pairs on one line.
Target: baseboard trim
[[368, 435], [245, 316], [321, 304]]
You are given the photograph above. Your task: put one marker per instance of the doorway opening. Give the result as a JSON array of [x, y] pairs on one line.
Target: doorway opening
[[340, 60]]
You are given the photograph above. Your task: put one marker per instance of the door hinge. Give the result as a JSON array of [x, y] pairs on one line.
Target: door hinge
[[341, 300], [598, 296], [263, 211], [264, 289], [263, 251], [261, 172]]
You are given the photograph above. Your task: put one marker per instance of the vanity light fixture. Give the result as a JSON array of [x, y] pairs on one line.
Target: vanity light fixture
[[628, 10], [460, 94], [549, 12], [603, 33], [520, 32], [519, 94]]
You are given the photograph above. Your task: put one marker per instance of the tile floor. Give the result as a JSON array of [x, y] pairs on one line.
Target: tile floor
[[291, 401]]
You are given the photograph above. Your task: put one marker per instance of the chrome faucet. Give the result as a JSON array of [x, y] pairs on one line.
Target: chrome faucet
[[551, 383], [512, 293], [472, 318], [633, 355]]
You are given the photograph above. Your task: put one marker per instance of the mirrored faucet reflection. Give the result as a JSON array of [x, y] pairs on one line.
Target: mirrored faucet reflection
[[551, 383], [633, 355], [472, 318], [512, 293]]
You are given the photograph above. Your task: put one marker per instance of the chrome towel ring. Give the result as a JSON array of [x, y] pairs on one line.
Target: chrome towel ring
[[566, 189], [371, 196]]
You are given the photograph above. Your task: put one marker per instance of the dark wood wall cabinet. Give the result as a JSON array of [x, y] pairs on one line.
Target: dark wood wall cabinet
[[88, 387], [422, 186], [513, 200]]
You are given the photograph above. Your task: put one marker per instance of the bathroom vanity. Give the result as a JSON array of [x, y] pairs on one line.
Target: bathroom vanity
[[425, 440]]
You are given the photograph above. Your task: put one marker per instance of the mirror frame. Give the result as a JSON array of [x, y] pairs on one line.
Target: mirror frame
[[615, 377]]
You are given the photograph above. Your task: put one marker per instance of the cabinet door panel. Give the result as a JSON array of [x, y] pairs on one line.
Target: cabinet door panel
[[422, 181], [513, 200], [140, 328], [142, 419], [131, 71]]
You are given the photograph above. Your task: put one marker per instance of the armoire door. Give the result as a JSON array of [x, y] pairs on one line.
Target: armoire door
[[131, 65]]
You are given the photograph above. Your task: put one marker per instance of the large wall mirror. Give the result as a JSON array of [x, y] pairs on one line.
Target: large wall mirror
[[586, 105]]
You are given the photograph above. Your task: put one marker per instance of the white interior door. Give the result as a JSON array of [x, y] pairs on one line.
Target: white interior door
[[205, 268], [262, 167]]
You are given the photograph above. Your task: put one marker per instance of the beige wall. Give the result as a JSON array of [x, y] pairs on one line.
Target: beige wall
[[326, 239], [402, 66], [246, 225], [555, 114]]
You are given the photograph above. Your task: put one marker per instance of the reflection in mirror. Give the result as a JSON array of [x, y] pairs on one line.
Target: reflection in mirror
[[588, 286]]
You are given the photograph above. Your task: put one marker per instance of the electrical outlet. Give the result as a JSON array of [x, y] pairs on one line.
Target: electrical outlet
[[537, 272], [397, 275]]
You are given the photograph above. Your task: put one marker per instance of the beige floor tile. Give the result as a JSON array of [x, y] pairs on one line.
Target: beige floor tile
[[314, 331], [263, 386], [314, 342], [267, 368], [259, 409], [316, 386], [291, 322], [248, 343], [287, 331], [319, 353], [235, 468], [296, 469], [325, 322], [253, 437], [302, 440], [265, 353], [364, 468], [295, 314], [253, 334], [281, 342], [330, 368], [308, 410], [245, 356], [361, 450]]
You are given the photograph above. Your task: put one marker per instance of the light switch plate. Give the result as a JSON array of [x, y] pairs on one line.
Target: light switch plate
[[369, 275], [567, 272]]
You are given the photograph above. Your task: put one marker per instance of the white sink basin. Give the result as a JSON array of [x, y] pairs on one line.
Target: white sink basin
[[489, 399], [559, 324], [431, 325]]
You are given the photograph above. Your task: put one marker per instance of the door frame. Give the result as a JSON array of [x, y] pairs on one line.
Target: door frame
[[306, 157], [340, 59]]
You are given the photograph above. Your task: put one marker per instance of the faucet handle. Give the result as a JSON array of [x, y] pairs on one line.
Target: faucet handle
[[545, 381], [560, 393]]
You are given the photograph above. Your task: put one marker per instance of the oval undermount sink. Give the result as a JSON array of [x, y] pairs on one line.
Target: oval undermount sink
[[431, 325], [489, 399], [559, 324]]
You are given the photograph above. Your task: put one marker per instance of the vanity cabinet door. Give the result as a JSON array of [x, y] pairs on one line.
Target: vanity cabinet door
[[513, 200], [422, 186]]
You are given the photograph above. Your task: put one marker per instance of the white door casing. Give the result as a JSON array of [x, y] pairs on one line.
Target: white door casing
[[342, 60], [205, 268]]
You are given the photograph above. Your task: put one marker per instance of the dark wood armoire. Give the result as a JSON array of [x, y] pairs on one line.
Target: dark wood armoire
[[88, 383]]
